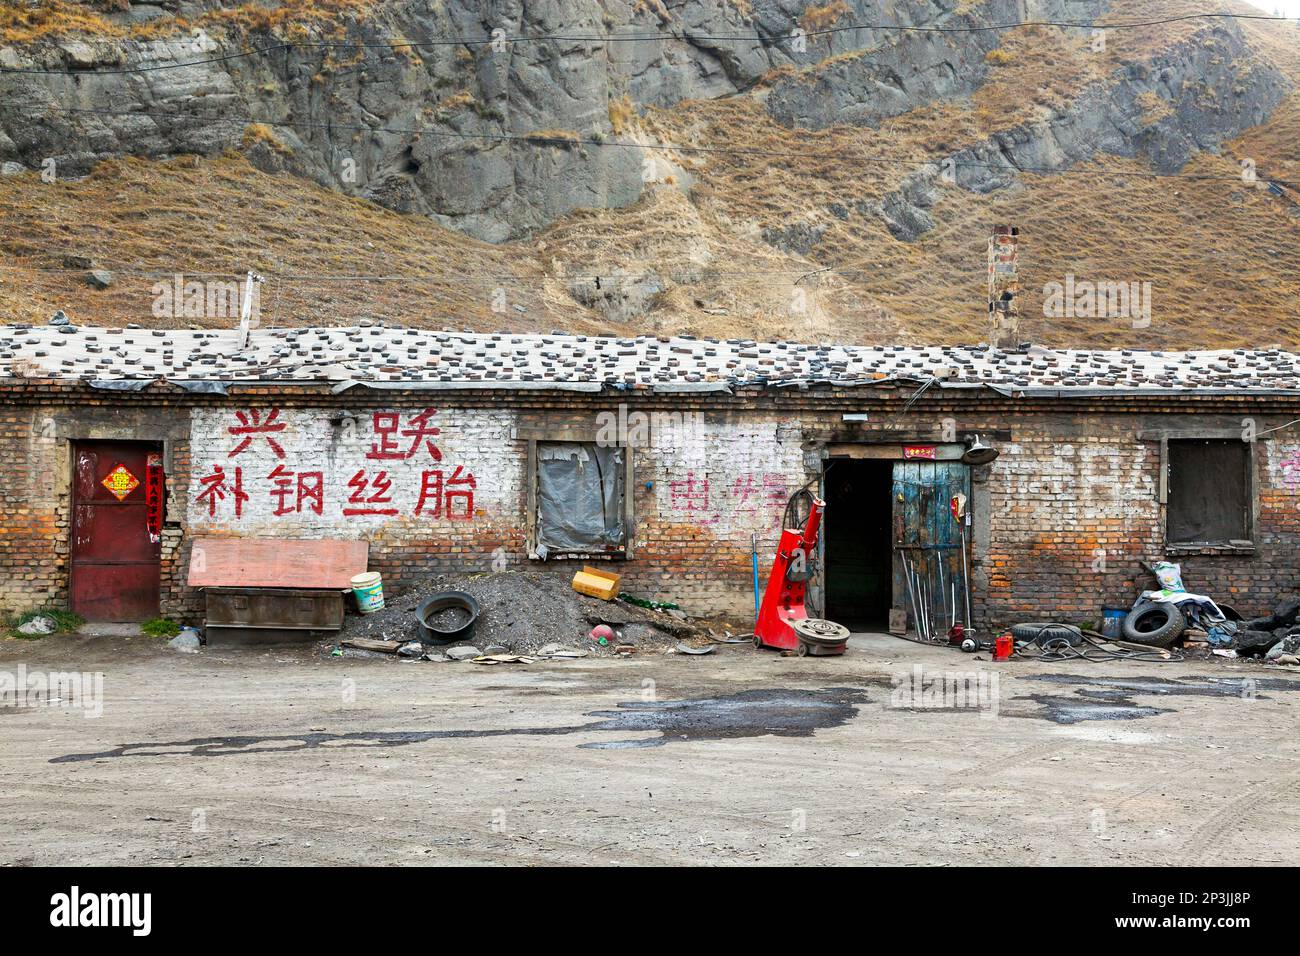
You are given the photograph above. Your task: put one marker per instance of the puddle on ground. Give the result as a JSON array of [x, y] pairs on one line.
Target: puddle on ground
[[1072, 710], [752, 713], [1111, 698], [1190, 687]]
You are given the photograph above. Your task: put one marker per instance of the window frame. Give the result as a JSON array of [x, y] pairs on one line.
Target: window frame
[[581, 436], [1245, 545]]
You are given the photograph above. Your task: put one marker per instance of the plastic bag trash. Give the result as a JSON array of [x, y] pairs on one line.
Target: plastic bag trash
[[1169, 575]]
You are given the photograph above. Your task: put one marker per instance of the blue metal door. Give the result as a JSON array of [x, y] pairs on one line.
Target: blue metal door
[[929, 580]]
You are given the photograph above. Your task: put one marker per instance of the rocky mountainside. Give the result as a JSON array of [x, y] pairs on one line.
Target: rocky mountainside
[[769, 168]]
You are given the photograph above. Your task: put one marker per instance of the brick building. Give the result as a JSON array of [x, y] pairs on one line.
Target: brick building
[[670, 458]]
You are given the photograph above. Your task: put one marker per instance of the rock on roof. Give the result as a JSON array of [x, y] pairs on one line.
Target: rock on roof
[[387, 357]]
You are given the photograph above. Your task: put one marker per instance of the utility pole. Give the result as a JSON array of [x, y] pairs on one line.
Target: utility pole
[[246, 310]]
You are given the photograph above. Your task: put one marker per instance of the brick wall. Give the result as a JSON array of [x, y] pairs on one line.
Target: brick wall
[[1061, 518]]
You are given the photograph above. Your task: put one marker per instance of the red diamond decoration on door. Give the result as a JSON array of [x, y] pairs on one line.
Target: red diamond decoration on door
[[120, 482]]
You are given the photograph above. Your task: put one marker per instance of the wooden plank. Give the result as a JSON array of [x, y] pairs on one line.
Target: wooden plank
[[370, 644], [276, 562]]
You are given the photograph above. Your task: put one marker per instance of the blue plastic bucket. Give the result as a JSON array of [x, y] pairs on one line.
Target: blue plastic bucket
[[1112, 621], [369, 591]]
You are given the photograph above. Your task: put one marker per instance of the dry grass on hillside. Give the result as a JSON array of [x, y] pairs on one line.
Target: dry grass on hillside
[[1223, 258], [223, 216], [27, 22], [721, 279], [22, 22]]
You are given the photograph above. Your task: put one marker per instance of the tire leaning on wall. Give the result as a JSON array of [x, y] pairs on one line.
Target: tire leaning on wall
[[1156, 625]]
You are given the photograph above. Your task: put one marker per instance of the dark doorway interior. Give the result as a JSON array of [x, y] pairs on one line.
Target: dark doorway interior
[[859, 573]]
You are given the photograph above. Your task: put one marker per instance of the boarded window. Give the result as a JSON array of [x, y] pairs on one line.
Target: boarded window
[[1209, 492], [579, 498]]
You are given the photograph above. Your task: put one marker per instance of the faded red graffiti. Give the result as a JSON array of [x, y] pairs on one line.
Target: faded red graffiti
[[749, 494]]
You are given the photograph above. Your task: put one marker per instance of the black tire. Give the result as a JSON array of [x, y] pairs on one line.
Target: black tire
[[1042, 632], [1156, 625]]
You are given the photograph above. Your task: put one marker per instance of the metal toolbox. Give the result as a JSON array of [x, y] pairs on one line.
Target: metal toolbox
[[271, 615]]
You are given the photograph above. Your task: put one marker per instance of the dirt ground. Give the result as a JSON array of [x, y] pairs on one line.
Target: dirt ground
[[277, 757]]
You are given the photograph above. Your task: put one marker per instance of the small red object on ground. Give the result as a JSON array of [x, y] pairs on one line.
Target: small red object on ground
[[1003, 647]]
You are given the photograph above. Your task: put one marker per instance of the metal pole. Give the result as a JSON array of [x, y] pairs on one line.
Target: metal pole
[[965, 565], [925, 591], [911, 592]]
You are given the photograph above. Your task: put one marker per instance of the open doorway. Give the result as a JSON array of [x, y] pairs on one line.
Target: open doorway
[[859, 551]]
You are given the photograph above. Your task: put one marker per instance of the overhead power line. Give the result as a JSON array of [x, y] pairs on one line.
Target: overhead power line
[[513, 40], [544, 139]]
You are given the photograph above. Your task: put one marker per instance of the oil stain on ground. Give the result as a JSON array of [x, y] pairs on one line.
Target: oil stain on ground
[[1072, 710], [752, 713], [1111, 698], [1191, 687]]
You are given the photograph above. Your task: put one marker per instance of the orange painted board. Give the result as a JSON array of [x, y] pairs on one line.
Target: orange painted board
[[221, 562]]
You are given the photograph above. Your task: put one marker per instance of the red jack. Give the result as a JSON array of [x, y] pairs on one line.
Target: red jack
[[783, 620]]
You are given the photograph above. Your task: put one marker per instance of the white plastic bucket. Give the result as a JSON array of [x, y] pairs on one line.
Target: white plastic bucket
[[369, 590]]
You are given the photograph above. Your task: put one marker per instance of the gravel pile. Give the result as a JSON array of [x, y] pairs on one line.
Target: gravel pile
[[523, 612]]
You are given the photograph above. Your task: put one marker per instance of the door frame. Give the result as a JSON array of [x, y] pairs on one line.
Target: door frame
[[890, 449]]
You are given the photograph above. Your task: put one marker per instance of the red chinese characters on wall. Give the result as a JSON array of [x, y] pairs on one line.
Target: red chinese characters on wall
[[370, 496], [219, 485], [439, 495], [253, 423], [418, 429], [292, 489], [442, 492]]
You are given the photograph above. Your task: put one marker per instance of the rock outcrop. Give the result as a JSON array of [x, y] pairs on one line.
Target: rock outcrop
[[496, 133]]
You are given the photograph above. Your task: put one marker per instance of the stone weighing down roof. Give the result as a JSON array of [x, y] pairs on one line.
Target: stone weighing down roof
[[386, 357]]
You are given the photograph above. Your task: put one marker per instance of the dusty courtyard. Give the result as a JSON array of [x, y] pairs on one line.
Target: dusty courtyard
[[276, 757]]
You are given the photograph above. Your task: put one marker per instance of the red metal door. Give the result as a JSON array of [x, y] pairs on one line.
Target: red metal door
[[117, 499]]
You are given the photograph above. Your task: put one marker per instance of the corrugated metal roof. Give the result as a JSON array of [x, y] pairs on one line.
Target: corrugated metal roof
[[387, 357]]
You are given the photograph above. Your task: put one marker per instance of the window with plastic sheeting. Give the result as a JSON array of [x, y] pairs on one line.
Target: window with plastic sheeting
[[580, 491], [1210, 498]]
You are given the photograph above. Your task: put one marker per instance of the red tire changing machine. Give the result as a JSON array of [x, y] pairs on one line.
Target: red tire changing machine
[[783, 621]]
